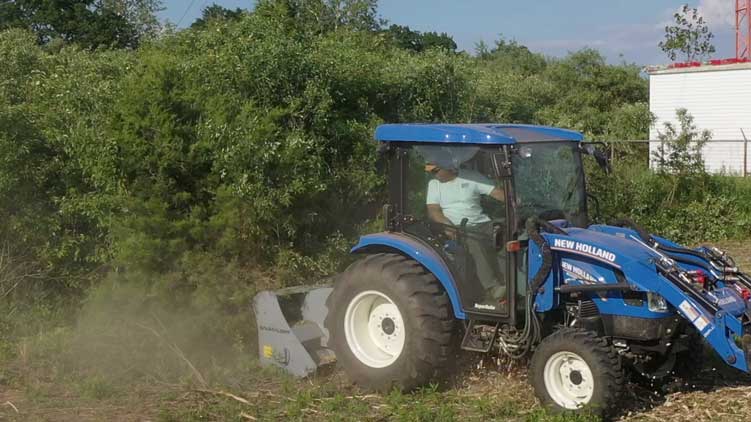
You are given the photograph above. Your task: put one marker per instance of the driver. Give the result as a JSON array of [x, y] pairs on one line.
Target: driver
[[454, 195]]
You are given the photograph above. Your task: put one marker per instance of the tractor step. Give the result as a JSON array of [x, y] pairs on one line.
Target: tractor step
[[477, 337]]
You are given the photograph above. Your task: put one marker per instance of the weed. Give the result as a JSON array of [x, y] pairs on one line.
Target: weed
[[97, 388]]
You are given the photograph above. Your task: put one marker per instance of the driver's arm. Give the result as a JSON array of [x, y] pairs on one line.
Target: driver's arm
[[435, 214], [498, 194], [485, 186]]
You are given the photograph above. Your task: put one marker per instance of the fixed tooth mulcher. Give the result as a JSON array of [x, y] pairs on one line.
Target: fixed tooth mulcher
[[525, 274]]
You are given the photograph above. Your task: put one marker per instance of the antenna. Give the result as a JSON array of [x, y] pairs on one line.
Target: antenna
[[743, 29]]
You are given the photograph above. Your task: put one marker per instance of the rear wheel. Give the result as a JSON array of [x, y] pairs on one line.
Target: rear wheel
[[391, 324], [575, 370], [374, 329]]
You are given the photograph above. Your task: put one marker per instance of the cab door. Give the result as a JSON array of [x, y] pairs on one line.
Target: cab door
[[470, 232]]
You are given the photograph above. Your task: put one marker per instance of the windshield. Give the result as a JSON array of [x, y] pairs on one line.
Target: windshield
[[549, 182]]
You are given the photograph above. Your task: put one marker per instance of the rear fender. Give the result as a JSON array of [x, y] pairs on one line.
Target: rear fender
[[421, 253]]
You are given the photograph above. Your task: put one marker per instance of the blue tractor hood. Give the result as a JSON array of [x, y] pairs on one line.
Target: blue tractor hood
[[586, 252], [605, 244]]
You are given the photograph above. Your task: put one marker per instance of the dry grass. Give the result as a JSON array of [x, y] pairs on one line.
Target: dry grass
[[721, 404]]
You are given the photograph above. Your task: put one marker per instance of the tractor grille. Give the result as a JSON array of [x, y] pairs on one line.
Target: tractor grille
[[587, 309]]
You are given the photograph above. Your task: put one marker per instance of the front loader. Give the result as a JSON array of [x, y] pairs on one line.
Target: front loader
[[525, 275]]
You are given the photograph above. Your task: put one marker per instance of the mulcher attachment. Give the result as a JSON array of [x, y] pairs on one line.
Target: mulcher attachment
[[291, 334]]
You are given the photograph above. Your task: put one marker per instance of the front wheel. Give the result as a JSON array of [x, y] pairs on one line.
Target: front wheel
[[390, 324], [575, 370]]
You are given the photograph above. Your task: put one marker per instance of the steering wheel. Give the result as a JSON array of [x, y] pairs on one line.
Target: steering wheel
[[548, 214], [554, 214]]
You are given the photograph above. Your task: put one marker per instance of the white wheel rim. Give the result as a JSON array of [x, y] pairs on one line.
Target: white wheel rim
[[569, 380], [374, 329]]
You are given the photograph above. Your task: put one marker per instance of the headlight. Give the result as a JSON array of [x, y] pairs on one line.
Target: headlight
[[656, 303]]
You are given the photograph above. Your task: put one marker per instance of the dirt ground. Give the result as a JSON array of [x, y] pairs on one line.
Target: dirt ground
[[486, 390]]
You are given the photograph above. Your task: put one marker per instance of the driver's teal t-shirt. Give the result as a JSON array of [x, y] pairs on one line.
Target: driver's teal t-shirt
[[460, 198]]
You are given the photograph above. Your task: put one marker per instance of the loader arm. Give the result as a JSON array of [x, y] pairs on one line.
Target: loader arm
[[720, 315], [719, 327]]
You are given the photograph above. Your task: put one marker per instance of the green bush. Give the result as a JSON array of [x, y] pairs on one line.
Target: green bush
[[679, 200], [250, 140], [715, 210]]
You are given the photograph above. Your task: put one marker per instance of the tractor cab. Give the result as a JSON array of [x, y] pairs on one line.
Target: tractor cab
[[466, 191]]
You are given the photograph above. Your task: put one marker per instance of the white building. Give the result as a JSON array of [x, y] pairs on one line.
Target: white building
[[718, 96]]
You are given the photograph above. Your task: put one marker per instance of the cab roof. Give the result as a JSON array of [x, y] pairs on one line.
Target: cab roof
[[484, 133]]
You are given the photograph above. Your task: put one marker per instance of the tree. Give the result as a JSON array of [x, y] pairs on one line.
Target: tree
[[679, 155], [435, 40], [417, 41], [356, 14], [216, 12], [680, 148], [517, 56], [89, 23], [689, 36], [140, 15], [482, 51], [405, 38], [320, 16], [585, 91]]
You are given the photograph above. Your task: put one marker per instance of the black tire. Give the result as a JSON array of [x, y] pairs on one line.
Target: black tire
[[430, 335], [690, 363], [600, 358]]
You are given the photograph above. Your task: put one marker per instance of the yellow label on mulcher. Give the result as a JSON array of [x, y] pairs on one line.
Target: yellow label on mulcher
[[268, 352]]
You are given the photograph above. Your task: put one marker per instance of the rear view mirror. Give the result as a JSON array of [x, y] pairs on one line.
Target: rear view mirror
[[600, 156]]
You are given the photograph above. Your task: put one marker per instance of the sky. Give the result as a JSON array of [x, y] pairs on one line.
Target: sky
[[623, 30]]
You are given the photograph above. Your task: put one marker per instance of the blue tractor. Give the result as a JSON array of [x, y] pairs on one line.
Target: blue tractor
[[487, 246]]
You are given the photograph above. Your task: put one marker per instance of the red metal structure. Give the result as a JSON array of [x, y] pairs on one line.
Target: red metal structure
[[743, 29]]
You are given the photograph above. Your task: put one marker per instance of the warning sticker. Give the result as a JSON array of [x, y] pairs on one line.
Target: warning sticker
[[690, 312], [701, 323], [268, 351]]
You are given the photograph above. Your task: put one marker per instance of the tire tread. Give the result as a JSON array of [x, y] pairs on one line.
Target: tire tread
[[606, 359], [426, 302]]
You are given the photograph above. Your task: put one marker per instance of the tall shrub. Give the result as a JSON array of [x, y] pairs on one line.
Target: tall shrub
[[678, 158]]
